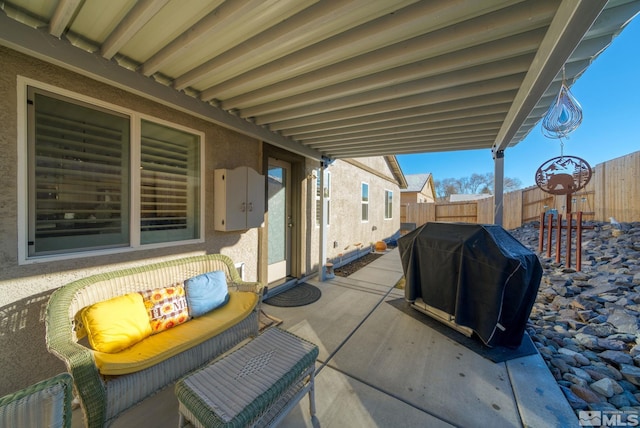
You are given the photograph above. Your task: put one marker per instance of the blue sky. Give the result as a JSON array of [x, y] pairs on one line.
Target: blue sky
[[609, 93]]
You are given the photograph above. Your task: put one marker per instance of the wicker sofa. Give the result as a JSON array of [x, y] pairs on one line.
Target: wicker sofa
[[105, 396]]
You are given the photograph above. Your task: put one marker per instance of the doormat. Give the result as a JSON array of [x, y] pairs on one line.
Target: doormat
[[300, 295], [497, 354]]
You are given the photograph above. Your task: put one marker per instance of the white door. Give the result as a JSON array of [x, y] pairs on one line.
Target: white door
[[280, 221]]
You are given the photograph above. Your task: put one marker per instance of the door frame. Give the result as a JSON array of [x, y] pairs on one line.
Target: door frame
[[288, 222], [297, 207]]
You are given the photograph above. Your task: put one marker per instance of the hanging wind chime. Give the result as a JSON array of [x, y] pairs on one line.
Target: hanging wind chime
[[563, 175]]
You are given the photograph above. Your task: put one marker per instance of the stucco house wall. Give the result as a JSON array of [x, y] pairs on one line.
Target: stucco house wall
[[25, 289], [346, 228]]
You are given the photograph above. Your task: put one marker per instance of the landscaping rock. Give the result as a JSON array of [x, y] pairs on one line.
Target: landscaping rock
[[616, 357], [585, 323], [607, 387], [575, 401], [631, 373], [624, 322], [586, 394]]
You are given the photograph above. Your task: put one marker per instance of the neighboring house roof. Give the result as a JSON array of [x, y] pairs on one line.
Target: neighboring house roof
[[394, 166], [460, 197], [416, 182]]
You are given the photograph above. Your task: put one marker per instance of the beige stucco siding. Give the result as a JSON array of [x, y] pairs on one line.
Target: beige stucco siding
[[223, 149], [24, 289], [346, 228]]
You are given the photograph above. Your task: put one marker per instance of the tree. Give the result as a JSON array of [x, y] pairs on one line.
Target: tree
[[475, 184], [511, 184], [446, 187]]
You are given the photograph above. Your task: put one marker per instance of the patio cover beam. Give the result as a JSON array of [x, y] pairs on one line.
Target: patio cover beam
[[471, 116], [323, 84], [471, 75], [41, 45], [140, 14], [62, 16], [439, 111], [569, 25]]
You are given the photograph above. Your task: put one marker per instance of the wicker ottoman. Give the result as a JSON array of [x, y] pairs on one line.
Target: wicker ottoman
[[256, 385]]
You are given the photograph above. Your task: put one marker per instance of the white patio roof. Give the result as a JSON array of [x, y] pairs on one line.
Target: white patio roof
[[332, 78]]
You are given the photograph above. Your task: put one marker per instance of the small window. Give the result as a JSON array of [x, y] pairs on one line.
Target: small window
[[388, 204], [365, 202], [327, 196]]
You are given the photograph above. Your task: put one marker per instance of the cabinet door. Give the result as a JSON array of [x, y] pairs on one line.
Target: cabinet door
[[236, 189], [255, 199], [230, 199], [238, 199]]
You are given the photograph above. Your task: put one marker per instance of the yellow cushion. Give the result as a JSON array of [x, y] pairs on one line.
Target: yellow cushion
[[115, 324], [159, 347], [167, 307]]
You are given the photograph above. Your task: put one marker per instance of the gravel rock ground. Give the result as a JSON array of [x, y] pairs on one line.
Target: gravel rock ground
[[585, 324]]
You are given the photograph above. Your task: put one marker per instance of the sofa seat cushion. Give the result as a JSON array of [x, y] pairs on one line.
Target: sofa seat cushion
[[159, 347]]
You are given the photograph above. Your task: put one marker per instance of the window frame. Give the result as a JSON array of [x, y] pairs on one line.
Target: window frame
[[135, 120], [364, 203], [388, 204]]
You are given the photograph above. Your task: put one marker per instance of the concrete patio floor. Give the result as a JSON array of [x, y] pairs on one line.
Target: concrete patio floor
[[379, 367]]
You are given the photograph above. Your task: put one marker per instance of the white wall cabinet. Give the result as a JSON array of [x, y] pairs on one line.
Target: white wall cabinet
[[238, 199]]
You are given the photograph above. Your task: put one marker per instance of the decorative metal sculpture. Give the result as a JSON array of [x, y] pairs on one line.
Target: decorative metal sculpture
[[563, 175], [564, 115]]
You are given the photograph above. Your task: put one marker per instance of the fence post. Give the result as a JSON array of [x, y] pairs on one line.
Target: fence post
[[579, 242], [558, 238], [549, 235], [541, 235], [569, 230]]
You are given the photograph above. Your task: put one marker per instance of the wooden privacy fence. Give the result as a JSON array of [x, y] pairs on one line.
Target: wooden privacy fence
[[614, 191]]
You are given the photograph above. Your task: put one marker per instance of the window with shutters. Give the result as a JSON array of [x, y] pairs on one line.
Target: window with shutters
[[169, 184], [93, 185]]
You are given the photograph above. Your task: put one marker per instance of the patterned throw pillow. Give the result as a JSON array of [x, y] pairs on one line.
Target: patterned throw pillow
[[167, 307]]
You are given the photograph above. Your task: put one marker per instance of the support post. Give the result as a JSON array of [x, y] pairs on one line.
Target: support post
[[498, 186], [322, 239]]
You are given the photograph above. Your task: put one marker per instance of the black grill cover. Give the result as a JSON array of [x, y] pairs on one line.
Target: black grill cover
[[480, 274]]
